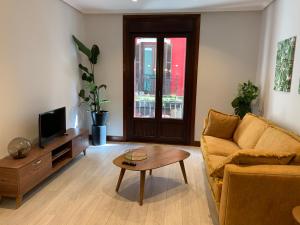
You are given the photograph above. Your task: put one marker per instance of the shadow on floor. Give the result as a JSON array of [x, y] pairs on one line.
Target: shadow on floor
[[154, 186]]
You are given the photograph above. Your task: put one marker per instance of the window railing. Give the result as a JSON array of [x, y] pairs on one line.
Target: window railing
[[172, 106]]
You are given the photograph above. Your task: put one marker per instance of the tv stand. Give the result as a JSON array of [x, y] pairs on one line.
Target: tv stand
[[19, 176]]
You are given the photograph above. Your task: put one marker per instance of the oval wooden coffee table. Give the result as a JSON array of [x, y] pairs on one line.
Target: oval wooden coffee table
[[158, 156]]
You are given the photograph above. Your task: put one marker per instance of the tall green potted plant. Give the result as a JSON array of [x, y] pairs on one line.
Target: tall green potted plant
[[242, 103], [91, 93]]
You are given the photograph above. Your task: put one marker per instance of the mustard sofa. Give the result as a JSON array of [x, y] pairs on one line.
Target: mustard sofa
[[254, 194]]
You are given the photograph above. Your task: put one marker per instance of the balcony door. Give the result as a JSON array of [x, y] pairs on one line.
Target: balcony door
[[160, 70]]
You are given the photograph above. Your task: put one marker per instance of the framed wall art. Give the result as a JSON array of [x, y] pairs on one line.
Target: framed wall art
[[284, 65]]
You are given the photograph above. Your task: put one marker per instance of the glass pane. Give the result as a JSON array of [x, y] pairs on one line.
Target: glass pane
[[145, 77], [173, 78]]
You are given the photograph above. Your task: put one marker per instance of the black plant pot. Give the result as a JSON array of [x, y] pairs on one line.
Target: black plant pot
[[99, 135], [100, 118]]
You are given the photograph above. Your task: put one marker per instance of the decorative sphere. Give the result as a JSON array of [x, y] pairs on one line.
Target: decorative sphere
[[19, 147]]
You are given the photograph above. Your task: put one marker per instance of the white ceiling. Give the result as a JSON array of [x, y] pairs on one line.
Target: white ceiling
[[156, 6]]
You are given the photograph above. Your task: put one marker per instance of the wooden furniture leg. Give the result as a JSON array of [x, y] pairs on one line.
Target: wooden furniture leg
[[142, 186], [84, 152], [150, 172], [120, 179], [19, 199], [183, 171]]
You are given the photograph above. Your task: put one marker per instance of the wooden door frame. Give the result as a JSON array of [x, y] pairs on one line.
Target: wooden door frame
[[156, 23]]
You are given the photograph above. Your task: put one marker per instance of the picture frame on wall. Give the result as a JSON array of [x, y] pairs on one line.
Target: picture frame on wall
[[284, 65]]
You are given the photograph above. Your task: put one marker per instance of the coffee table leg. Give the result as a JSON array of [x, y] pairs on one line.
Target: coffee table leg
[[183, 171], [120, 179], [142, 186], [150, 172]]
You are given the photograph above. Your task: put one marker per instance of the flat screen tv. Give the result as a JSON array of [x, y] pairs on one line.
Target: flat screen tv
[[51, 125]]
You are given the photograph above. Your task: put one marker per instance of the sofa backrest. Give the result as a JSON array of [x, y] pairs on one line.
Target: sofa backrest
[[249, 130], [278, 139]]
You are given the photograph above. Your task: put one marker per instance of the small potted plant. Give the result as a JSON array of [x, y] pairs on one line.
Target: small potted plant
[[242, 103], [91, 93]]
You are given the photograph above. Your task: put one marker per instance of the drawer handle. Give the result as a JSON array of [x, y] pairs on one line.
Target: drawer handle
[[38, 162]]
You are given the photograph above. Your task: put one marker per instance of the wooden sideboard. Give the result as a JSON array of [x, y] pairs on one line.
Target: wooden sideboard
[[18, 176]]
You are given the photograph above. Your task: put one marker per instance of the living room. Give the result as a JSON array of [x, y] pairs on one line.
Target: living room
[[164, 78]]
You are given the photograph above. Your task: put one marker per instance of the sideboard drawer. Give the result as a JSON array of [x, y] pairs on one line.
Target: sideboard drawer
[[33, 173], [8, 182], [77, 146]]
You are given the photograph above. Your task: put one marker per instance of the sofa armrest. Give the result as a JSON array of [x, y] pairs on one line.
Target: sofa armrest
[[260, 195], [205, 122]]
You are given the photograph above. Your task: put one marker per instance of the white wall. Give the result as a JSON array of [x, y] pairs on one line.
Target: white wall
[[228, 55], [280, 21], [107, 32], [38, 64]]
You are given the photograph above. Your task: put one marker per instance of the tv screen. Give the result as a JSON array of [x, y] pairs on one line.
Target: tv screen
[[51, 124]]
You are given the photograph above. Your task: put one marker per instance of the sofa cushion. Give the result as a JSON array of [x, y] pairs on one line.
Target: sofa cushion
[[221, 125], [253, 157], [249, 131], [279, 140], [213, 161], [219, 146]]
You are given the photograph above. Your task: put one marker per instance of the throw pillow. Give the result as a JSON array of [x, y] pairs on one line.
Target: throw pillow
[[220, 125], [254, 157]]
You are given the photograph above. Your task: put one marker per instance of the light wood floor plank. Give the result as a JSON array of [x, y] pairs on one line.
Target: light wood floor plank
[[156, 209], [83, 193]]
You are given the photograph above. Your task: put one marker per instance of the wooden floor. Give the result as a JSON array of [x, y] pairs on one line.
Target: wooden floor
[[84, 193]]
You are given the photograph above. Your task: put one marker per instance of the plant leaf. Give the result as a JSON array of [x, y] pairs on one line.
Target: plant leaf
[[104, 101], [90, 78], [85, 77], [83, 68], [235, 102], [85, 50], [93, 91], [95, 52], [102, 86], [246, 94], [93, 87], [82, 93]]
